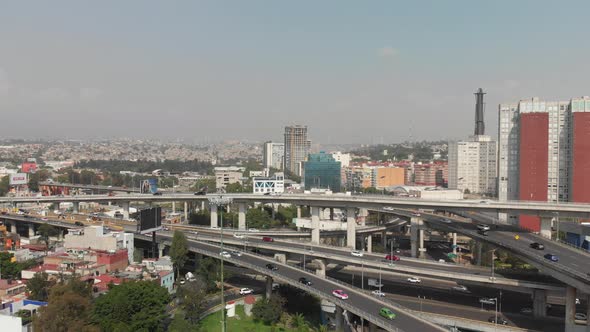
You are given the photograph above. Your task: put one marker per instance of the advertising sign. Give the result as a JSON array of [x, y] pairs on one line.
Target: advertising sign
[[149, 186], [18, 179], [150, 220], [153, 185]]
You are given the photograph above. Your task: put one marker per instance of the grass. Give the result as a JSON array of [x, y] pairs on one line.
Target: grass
[[239, 323]]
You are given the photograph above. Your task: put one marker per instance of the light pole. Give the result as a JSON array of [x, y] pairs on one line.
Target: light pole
[[220, 201]]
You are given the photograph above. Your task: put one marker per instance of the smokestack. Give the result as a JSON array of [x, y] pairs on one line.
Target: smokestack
[[479, 125]]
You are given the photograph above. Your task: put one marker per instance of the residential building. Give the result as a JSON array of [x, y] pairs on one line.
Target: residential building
[[9, 287], [544, 153], [228, 175], [297, 148], [385, 177], [343, 158], [94, 237], [273, 155], [322, 171], [274, 184], [472, 165], [432, 174]]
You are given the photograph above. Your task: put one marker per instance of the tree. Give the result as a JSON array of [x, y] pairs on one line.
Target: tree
[[298, 321], [132, 306], [268, 310], [258, 219], [179, 251], [45, 231], [209, 271], [234, 188], [191, 296], [39, 286], [180, 324], [4, 185]]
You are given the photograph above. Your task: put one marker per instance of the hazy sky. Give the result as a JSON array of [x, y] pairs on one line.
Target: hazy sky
[[353, 71]]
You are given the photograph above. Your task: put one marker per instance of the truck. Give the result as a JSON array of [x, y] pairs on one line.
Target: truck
[[374, 282]]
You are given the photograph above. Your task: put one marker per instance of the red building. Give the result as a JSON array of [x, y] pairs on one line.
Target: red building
[[580, 169]]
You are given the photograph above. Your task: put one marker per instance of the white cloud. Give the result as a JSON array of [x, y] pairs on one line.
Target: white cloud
[[387, 52]]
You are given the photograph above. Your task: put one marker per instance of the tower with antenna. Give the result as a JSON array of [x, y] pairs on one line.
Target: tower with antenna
[[479, 108]]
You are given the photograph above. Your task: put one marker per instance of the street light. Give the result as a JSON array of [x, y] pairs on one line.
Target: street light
[[220, 201]]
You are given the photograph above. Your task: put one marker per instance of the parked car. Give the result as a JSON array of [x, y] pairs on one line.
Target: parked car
[[267, 239], [303, 280], [357, 253], [483, 227], [340, 294], [500, 320], [271, 267], [414, 280], [385, 312], [392, 258], [245, 291], [551, 257], [487, 300], [378, 293], [536, 245]]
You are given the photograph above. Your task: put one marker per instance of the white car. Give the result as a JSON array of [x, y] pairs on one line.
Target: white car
[[195, 233], [486, 300], [236, 253], [357, 253], [414, 280], [245, 291], [580, 316], [378, 293], [238, 236], [388, 208], [483, 227], [460, 288], [253, 230], [446, 221], [225, 254]]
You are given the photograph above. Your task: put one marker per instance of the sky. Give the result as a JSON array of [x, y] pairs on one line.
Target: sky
[[352, 71]]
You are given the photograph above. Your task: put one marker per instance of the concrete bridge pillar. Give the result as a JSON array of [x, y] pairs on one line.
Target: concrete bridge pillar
[[13, 227], [331, 213], [421, 250], [350, 228], [242, 216], [173, 207], [315, 225], [370, 243], [320, 267], [539, 303], [546, 227], [363, 213], [415, 224], [298, 211], [339, 321], [125, 206], [268, 287], [281, 258], [213, 212], [202, 205], [272, 209], [76, 207], [160, 251], [570, 309], [31, 230], [454, 246], [186, 212], [384, 239]]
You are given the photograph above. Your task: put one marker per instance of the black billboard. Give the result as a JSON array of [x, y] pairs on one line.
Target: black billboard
[[150, 219]]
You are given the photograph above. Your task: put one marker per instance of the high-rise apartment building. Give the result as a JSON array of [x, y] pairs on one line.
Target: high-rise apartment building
[[472, 165], [544, 153], [273, 155], [297, 147]]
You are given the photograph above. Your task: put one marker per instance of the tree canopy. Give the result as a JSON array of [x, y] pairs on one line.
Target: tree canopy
[[39, 286], [179, 250]]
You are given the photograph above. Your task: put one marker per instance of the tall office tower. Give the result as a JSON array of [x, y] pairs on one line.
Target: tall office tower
[[544, 153], [273, 155], [297, 147], [322, 171], [472, 165], [479, 108]]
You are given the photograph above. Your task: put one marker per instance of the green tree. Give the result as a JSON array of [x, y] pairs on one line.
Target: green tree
[[191, 297], [298, 321], [132, 306], [209, 271], [179, 251], [258, 218], [200, 218], [268, 310], [35, 178], [38, 286], [4, 185], [45, 231], [10, 268], [180, 324], [234, 188]]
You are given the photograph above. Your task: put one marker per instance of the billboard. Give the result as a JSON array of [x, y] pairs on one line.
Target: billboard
[[150, 220], [149, 186], [17, 179]]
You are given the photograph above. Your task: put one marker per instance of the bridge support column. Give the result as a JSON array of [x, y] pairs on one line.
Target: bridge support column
[[125, 206], [173, 207], [479, 247], [545, 227], [415, 225], [186, 212], [160, 251], [272, 209], [539, 303], [570, 309], [350, 228], [76, 207], [242, 216], [268, 287], [370, 243], [454, 246], [384, 239], [320, 267], [331, 213], [13, 227], [315, 225], [363, 213], [421, 250], [298, 211], [213, 212], [31, 230], [202, 205], [339, 321], [281, 258]]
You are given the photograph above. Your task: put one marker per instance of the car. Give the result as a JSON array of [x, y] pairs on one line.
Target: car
[[357, 253], [460, 288], [225, 254], [388, 208], [165, 228], [267, 239], [551, 257], [44, 219], [526, 311], [378, 293], [236, 253], [484, 202], [245, 291], [194, 233], [446, 221], [499, 320], [253, 230], [416, 214], [79, 223], [536, 245], [182, 281], [580, 316], [238, 236], [385, 312], [266, 194], [483, 227], [303, 280], [339, 293], [414, 280], [200, 193], [4, 213], [271, 267], [487, 300], [392, 258], [157, 193]]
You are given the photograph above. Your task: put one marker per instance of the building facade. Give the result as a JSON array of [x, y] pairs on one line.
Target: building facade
[[544, 153], [297, 147], [322, 171], [472, 165], [94, 237], [273, 155], [274, 184], [385, 177], [432, 174], [228, 175]]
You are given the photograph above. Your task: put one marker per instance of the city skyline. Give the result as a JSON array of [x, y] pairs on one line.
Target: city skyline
[[210, 71]]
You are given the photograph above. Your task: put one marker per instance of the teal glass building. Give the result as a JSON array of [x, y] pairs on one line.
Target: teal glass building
[[322, 171]]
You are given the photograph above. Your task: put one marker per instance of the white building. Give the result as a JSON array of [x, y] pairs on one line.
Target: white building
[[94, 237], [472, 165], [343, 158], [428, 193], [273, 155], [274, 184], [228, 175]]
